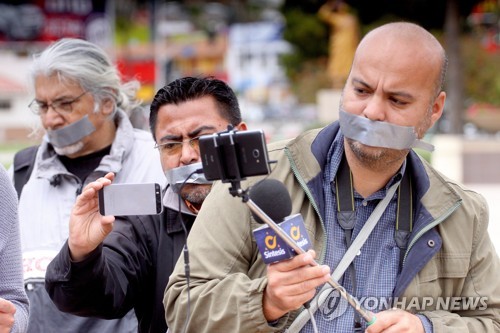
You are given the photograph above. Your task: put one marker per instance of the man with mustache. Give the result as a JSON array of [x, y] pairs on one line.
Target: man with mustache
[[430, 242], [108, 266]]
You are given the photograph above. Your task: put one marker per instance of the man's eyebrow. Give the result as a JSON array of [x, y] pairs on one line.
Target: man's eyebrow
[[396, 93], [363, 83], [403, 94], [191, 134], [54, 100]]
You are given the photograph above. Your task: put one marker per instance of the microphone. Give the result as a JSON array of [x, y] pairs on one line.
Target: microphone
[[271, 201], [271, 196]]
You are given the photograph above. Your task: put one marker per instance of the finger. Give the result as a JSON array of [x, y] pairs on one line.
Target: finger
[[301, 281], [393, 320], [295, 287], [105, 181], [320, 276], [89, 193], [107, 220], [277, 301], [86, 201], [292, 296], [7, 306], [300, 275], [312, 253], [99, 183], [298, 261], [293, 302], [6, 322], [110, 176], [383, 322]]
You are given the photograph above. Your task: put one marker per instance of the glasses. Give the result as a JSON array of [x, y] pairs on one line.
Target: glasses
[[175, 147], [63, 106]]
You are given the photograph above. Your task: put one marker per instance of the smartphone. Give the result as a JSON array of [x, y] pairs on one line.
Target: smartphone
[[227, 154], [130, 199]]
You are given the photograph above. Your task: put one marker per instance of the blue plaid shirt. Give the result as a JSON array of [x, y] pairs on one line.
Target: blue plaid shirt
[[376, 265]]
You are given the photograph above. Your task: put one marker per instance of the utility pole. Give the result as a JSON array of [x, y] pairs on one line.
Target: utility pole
[[454, 83]]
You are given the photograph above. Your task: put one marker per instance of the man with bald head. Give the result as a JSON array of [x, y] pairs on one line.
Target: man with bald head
[[420, 258]]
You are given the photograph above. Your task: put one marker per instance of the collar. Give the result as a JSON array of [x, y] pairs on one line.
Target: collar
[[49, 164], [335, 156], [171, 200]]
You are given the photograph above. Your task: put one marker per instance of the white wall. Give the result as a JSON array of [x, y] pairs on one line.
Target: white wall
[[16, 70]]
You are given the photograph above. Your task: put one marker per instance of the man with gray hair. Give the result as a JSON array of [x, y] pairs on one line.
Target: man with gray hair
[[83, 107]]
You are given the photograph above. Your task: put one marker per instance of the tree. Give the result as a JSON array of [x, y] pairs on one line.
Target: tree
[[446, 16]]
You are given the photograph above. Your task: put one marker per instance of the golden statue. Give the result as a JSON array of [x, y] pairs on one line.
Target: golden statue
[[344, 38]]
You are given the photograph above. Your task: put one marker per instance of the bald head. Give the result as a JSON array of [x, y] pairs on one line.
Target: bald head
[[404, 39]]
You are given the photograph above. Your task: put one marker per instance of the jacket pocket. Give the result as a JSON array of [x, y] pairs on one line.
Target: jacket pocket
[[444, 275]]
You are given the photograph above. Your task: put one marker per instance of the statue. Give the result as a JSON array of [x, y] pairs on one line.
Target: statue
[[344, 38]]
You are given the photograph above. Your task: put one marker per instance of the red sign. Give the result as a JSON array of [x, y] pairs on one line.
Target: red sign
[[48, 20]]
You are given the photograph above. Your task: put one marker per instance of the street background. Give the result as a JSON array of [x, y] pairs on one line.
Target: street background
[[275, 55]]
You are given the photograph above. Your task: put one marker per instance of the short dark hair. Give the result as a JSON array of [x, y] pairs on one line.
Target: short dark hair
[[190, 88]]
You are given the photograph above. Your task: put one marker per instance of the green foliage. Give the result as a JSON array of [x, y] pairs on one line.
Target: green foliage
[[305, 67], [307, 79], [125, 32], [481, 72], [307, 32], [308, 35]]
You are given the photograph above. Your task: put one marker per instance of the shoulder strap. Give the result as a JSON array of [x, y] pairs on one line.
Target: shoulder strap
[[345, 207], [24, 161], [346, 260], [404, 216]]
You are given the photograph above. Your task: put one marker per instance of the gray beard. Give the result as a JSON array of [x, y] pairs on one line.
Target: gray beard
[[69, 150], [377, 158], [197, 194]]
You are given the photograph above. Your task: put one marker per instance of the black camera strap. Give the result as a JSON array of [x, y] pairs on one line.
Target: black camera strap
[[346, 216]]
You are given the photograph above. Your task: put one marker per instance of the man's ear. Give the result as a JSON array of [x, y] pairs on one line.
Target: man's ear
[[107, 106], [241, 126], [438, 107]]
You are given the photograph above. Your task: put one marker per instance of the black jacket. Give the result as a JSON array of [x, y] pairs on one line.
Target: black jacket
[[129, 270]]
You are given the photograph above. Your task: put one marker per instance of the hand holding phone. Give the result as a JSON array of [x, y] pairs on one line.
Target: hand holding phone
[[130, 199], [87, 229]]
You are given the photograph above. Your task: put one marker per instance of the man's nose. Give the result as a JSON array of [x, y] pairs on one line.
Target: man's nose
[[375, 109], [52, 119], [189, 153]]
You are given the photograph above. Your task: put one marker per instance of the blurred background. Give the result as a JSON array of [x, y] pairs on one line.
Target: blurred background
[[276, 54]]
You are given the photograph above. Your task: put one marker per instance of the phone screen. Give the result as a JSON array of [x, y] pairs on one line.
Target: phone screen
[[130, 199]]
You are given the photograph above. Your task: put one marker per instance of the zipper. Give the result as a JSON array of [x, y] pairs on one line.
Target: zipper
[[311, 199], [430, 226]]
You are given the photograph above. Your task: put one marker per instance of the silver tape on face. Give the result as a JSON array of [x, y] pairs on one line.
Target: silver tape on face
[[72, 133], [380, 133], [177, 176]]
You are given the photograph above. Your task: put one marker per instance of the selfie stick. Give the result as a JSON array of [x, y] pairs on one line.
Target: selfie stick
[[231, 162], [367, 315]]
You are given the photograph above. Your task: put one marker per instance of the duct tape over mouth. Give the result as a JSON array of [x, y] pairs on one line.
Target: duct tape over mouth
[[380, 133], [72, 133], [185, 174]]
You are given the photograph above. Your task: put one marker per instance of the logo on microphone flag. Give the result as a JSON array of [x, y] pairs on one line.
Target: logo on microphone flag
[[272, 248]]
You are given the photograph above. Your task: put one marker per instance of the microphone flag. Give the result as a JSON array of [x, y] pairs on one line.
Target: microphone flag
[[272, 248]]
